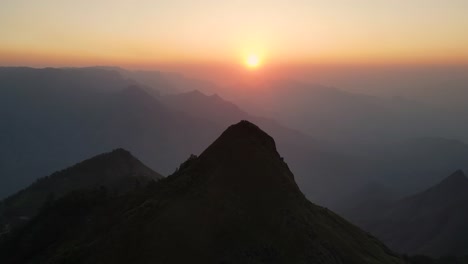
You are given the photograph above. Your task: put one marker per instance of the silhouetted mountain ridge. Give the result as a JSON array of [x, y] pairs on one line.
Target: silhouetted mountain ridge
[[235, 203], [248, 159], [117, 171]]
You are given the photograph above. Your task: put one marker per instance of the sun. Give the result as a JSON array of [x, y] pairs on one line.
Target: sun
[[252, 61]]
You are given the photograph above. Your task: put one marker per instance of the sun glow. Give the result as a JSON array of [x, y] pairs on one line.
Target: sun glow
[[252, 61]]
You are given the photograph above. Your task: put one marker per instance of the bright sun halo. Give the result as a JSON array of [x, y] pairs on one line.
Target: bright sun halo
[[252, 61]]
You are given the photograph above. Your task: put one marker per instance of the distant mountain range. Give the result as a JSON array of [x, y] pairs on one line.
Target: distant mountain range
[[432, 222], [235, 203], [399, 140], [335, 114], [52, 118]]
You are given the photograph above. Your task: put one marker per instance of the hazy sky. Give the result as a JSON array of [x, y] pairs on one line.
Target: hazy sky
[[151, 32]]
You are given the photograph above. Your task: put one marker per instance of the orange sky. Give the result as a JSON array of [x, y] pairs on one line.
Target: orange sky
[[148, 33]]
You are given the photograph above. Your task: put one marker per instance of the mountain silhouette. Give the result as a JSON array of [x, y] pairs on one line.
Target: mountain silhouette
[[432, 222], [52, 118], [324, 173], [235, 203], [117, 171]]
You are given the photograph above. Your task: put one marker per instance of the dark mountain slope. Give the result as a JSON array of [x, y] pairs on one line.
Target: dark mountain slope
[[117, 171], [235, 203], [432, 222]]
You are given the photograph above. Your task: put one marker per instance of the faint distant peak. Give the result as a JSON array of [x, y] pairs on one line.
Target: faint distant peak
[[195, 93], [135, 89], [452, 186], [215, 95], [456, 178]]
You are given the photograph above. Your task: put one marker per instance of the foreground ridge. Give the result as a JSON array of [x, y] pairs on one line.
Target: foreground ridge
[[235, 203]]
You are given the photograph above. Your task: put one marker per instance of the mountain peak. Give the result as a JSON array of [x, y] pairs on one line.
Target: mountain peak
[[119, 152], [118, 171], [244, 124], [193, 94], [455, 179], [244, 160], [248, 133], [453, 186], [111, 165]]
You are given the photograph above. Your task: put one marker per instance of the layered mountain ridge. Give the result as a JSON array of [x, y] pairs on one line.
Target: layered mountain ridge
[[432, 222], [235, 203], [116, 171]]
